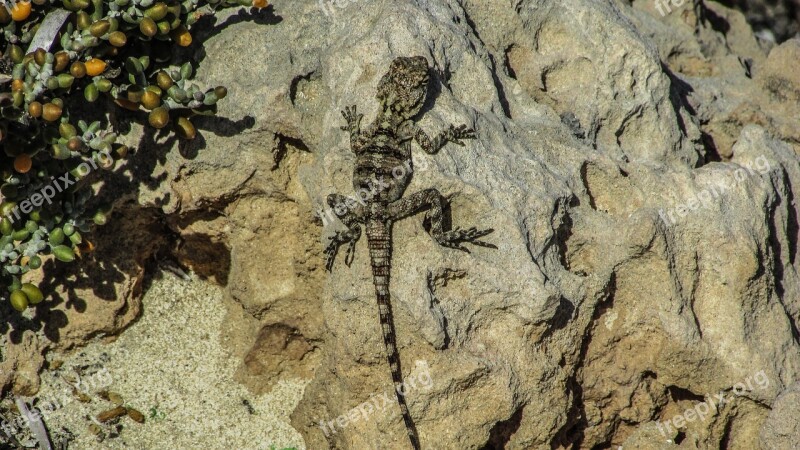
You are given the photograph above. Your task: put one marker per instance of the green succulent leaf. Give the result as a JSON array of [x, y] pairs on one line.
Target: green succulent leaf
[[67, 64]]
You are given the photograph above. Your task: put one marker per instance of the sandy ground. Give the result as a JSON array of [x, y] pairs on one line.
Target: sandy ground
[[171, 367]]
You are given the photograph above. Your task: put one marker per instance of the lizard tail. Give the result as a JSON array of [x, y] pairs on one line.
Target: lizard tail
[[379, 241]]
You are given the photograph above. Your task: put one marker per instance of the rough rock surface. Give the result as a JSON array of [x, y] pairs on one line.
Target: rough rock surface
[[172, 366], [98, 297], [778, 18], [781, 429], [641, 173]]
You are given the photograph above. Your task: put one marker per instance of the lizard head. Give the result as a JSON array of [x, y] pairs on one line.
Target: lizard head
[[405, 85]]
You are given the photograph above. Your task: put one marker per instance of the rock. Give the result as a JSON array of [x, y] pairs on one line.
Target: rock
[[777, 76], [22, 360], [640, 173], [640, 185], [723, 73], [781, 429], [777, 20], [97, 296], [102, 295], [649, 436]]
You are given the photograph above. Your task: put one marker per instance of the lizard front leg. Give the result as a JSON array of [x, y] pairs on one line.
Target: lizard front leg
[[454, 134], [353, 126], [434, 202], [350, 215]]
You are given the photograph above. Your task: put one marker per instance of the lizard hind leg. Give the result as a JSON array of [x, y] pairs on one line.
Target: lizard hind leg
[[432, 201], [350, 217]]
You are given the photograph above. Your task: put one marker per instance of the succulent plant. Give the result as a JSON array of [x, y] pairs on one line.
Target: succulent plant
[[115, 52]]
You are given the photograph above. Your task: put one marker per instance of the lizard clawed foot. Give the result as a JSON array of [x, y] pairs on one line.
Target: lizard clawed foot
[[352, 118], [454, 238], [330, 254], [456, 133], [351, 253], [341, 237]]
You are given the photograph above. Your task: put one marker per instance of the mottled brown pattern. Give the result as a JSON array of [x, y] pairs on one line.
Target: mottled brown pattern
[[383, 171]]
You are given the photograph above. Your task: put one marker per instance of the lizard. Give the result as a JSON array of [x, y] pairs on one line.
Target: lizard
[[383, 170]]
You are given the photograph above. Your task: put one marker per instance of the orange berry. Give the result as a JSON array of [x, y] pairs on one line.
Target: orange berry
[[17, 85], [35, 109], [20, 11], [150, 99], [85, 247], [74, 144], [23, 163], [182, 37], [260, 4], [159, 117], [78, 69], [95, 66], [61, 61], [51, 111]]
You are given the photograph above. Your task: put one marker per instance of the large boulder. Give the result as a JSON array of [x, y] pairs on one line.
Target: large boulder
[[643, 210], [640, 172]]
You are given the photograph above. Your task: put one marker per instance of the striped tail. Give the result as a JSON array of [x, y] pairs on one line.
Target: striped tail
[[379, 241]]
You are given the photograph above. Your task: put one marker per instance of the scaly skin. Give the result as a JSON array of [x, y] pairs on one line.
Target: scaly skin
[[383, 171]]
